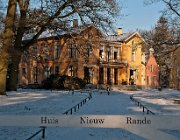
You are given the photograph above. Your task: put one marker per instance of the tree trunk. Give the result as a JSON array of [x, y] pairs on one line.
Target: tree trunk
[[16, 52], [3, 73], [13, 68], [7, 44]]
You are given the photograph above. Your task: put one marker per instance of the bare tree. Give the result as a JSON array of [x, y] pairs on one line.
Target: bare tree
[[7, 43], [172, 13], [100, 13], [172, 6]]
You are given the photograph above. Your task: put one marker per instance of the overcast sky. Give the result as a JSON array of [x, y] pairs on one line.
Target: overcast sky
[[138, 15]]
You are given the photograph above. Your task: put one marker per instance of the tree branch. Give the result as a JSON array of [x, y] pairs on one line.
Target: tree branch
[[170, 5], [43, 27], [170, 51]]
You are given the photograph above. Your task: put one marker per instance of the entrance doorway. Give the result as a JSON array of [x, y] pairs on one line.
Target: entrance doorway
[[109, 76], [86, 75], [116, 76], [132, 77], [101, 76]]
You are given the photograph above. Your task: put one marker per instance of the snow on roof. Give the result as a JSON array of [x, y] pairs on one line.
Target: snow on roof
[[52, 33], [118, 38]]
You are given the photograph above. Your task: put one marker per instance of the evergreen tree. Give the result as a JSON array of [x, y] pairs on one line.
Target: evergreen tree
[[161, 34]]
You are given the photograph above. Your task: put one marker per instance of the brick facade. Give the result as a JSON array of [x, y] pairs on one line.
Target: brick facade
[[152, 71]]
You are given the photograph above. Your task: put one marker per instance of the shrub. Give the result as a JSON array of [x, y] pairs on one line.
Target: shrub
[[124, 82], [62, 82], [79, 82]]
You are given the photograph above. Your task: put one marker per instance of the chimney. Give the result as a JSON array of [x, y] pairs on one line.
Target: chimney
[[151, 51], [119, 32], [75, 23]]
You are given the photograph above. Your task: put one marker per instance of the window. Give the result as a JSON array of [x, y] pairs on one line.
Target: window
[[70, 70], [46, 56], [57, 52], [151, 68], [35, 74], [108, 54], [46, 53], [76, 53], [133, 55], [23, 71], [47, 71], [115, 55], [100, 53], [57, 70], [70, 52], [132, 43]]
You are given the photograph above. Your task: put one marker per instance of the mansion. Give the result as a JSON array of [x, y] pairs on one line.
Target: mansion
[[86, 53]]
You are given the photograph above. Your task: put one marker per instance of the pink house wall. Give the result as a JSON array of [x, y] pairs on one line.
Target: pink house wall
[[152, 72]]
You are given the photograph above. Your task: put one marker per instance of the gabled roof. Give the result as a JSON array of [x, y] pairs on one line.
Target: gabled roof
[[122, 38]]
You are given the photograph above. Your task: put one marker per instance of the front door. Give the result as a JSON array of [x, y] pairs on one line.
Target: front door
[[86, 75], [101, 75]]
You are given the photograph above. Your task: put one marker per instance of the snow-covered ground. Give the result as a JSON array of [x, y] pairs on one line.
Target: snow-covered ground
[[160, 102], [33, 102]]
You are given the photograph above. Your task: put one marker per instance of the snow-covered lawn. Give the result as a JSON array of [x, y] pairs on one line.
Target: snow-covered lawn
[[29, 102], [42, 102], [160, 102]]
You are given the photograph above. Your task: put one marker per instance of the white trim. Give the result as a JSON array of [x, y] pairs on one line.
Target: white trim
[[135, 33]]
